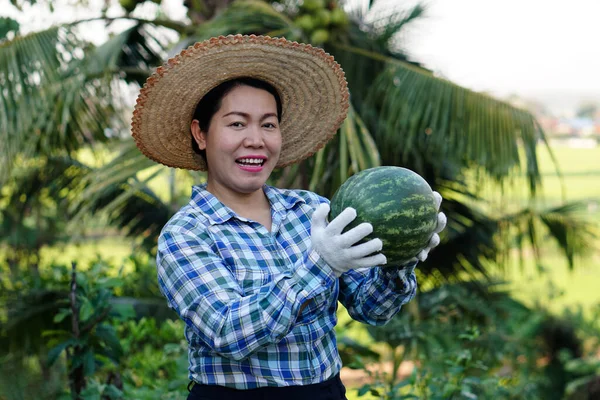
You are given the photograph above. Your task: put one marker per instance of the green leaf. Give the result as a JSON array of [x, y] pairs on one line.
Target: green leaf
[[583, 366], [92, 391], [89, 363], [576, 384], [112, 282], [81, 281], [54, 332], [364, 390], [56, 351], [112, 392], [124, 311], [61, 315], [467, 393], [86, 311], [108, 335], [404, 383]]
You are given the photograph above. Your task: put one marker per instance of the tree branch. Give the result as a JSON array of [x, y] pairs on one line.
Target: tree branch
[[73, 299]]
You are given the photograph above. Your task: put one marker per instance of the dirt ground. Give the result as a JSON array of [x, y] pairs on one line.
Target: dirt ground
[[357, 377]]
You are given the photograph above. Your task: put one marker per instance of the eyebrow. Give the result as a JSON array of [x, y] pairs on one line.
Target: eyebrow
[[246, 115]]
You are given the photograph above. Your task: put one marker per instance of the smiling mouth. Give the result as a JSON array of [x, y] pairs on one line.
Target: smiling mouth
[[251, 162]]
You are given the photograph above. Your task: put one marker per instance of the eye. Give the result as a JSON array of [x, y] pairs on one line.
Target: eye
[[269, 125], [237, 124]]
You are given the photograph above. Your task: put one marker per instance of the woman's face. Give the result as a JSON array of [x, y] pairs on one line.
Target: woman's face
[[243, 141]]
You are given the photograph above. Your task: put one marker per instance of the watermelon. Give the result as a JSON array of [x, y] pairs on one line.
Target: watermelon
[[399, 204]]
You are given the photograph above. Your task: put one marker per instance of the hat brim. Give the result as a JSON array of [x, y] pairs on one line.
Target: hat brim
[[311, 85]]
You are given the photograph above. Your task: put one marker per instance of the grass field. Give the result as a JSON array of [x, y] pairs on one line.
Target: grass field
[[580, 168], [557, 286]]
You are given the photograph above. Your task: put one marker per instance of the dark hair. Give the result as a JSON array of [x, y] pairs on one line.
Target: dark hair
[[211, 103]]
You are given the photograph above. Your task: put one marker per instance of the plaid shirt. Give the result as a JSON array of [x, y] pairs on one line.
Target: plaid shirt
[[240, 289]]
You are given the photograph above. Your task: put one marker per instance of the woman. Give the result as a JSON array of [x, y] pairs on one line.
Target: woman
[[254, 271]]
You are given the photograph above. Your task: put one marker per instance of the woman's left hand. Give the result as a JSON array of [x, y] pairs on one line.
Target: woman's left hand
[[435, 238]]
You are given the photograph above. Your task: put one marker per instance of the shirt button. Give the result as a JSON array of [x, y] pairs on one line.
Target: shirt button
[[323, 282]]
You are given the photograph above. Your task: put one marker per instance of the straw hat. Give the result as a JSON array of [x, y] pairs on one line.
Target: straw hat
[[311, 85]]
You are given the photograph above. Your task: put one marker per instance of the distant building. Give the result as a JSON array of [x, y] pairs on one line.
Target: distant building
[[576, 127], [569, 130]]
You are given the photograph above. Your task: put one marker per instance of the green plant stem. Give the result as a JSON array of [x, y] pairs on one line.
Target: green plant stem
[[397, 361], [76, 375]]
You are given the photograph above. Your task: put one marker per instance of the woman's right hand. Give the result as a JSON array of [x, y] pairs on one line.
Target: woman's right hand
[[339, 250]]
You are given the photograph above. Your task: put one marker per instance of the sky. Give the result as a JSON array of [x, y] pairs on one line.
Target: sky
[[543, 49], [546, 49]]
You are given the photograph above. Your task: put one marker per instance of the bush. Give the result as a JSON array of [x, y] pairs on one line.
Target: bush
[[472, 340]]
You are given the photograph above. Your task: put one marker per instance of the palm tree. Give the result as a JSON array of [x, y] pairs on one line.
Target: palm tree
[[61, 94]]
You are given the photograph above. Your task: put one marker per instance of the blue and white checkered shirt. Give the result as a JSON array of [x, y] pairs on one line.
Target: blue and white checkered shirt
[[240, 289]]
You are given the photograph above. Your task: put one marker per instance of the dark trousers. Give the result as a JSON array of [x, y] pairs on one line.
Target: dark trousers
[[331, 389]]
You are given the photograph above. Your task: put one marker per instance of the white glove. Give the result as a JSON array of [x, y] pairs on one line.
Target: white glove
[[435, 238], [337, 248]]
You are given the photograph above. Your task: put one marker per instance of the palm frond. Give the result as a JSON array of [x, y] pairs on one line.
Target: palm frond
[[350, 151], [364, 54], [249, 17], [34, 208], [59, 93], [161, 21], [389, 20], [476, 243], [25, 63], [420, 113], [567, 225], [115, 191], [140, 213], [132, 53], [384, 20], [46, 107], [469, 245], [473, 240], [122, 168], [413, 114]]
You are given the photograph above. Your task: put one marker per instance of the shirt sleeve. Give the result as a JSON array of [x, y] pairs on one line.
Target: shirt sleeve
[[209, 299], [374, 295]]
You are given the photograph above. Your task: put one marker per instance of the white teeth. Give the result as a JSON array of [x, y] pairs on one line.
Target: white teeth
[[251, 160]]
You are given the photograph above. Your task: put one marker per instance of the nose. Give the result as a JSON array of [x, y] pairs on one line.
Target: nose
[[254, 137]]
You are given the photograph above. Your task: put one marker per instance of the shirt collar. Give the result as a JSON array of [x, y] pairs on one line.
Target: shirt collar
[[282, 199], [210, 206], [218, 213]]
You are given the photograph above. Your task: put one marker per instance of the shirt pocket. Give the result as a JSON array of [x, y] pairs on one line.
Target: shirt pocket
[[249, 271], [252, 278]]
